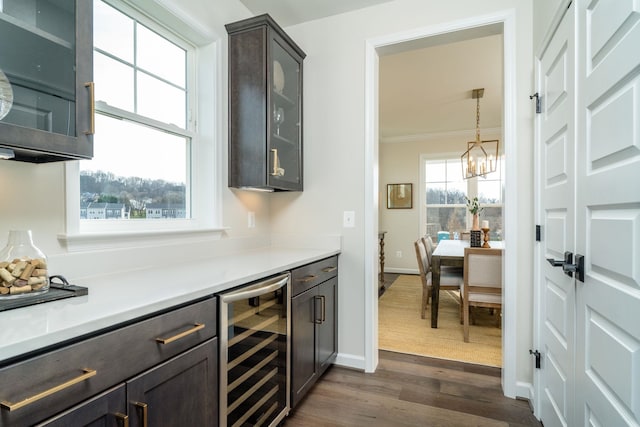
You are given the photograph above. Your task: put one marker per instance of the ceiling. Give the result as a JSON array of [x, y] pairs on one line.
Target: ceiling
[[428, 90], [291, 12], [425, 85]]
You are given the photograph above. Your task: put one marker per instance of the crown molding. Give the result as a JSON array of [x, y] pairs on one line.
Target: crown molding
[[434, 136]]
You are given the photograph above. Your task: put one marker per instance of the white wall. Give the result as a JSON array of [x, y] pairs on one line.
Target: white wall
[[334, 133]]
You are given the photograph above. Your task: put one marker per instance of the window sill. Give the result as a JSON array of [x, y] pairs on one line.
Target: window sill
[[126, 239]]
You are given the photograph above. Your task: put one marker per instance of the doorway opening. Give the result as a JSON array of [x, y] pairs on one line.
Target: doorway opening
[[420, 39], [427, 116]]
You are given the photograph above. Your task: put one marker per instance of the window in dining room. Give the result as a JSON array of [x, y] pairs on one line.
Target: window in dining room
[[446, 192]]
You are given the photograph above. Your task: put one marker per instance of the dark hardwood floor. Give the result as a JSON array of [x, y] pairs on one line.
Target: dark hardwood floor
[[411, 390]]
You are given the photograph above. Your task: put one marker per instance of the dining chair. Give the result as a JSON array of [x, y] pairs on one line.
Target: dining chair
[[447, 281], [482, 282], [428, 245], [444, 269]]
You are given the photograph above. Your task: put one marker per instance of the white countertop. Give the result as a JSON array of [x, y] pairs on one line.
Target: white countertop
[[124, 296]]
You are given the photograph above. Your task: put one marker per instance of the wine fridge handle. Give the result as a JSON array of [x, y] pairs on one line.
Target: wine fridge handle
[[257, 289]]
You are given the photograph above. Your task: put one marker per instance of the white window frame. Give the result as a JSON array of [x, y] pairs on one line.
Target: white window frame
[[472, 189], [205, 99]]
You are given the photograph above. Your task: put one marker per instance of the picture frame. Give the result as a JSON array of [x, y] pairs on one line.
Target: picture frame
[[400, 196]]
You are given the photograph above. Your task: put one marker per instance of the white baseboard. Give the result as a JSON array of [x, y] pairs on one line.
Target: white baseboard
[[524, 390], [350, 361]]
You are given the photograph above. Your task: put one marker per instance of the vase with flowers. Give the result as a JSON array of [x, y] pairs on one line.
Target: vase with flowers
[[473, 205]]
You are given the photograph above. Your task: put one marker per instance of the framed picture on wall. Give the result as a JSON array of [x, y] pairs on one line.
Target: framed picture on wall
[[399, 196]]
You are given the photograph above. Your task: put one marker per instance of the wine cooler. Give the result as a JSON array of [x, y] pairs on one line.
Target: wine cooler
[[254, 353]]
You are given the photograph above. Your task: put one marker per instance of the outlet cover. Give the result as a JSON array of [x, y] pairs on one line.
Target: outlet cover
[[349, 219]]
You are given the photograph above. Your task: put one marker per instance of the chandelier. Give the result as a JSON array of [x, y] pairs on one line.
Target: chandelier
[[481, 156]]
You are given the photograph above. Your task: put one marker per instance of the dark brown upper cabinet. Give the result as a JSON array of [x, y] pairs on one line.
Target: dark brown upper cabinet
[[265, 107], [46, 59]]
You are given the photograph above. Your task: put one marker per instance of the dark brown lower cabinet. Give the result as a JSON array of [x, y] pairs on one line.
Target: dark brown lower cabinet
[[313, 336], [180, 392], [160, 370], [108, 409]]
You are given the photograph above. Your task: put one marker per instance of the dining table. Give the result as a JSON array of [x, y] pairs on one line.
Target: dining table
[[448, 252]]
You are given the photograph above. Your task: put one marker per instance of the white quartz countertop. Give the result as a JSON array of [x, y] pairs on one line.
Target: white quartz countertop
[[124, 296]]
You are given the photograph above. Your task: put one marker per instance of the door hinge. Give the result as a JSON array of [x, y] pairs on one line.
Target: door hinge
[[537, 97], [537, 355], [538, 232]]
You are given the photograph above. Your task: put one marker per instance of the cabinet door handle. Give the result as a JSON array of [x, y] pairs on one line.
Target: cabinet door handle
[[308, 278], [195, 328], [142, 407], [123, 419], [329, 269], [92, 102], [315, 305], [324, 308], [275, 162], [88, 373]]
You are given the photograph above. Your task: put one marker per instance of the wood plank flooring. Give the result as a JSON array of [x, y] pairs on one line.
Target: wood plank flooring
[[409, 390]]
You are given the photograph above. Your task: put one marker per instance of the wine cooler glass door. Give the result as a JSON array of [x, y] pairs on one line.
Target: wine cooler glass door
[[254, 377]]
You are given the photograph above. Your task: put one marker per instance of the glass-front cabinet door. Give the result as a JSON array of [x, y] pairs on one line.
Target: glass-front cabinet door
[[286, 131], [265, 107], [45, 79]]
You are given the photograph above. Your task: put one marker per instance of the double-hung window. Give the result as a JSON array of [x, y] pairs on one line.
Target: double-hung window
[[446, 199], [144, 79]]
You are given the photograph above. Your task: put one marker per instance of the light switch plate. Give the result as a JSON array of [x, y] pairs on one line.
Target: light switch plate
[[251, 219], [349, 220]]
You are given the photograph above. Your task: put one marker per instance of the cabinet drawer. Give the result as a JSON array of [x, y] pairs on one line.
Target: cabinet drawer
[[308, 276], [57, 380]]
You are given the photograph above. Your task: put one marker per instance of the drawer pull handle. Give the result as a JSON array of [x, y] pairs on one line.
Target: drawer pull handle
[[195, 328], [329, 269], [123, 419], [88, 373], [307, 278], [142, 407]]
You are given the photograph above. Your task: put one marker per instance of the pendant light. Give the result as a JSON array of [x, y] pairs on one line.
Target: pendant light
[[481, 156]]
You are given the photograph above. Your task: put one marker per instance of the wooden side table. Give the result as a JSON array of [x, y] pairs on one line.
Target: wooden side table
[[381, 256]]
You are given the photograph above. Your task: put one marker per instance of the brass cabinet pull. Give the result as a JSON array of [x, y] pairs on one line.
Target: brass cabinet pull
[[315, 315], [88, 373], [275, 162], [195, 328], [142, 407], [123, 419], [329, 269], [307, 278], [324, 308], [92, 101]]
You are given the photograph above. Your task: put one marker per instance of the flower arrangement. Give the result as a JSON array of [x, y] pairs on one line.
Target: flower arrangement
[[473, 205]]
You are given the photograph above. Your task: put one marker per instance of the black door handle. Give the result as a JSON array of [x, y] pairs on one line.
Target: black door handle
[[568, 267]]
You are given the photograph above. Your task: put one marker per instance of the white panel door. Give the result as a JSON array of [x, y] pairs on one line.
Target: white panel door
[[556, 180], [608, 213]]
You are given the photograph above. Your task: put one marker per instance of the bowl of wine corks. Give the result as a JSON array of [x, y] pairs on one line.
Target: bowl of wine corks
[[23, 276]]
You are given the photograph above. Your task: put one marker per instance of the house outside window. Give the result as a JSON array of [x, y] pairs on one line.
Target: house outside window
[[144, 131], [446, 199]]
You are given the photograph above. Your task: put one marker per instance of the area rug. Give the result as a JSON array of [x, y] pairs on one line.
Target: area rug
[[401, 328]]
